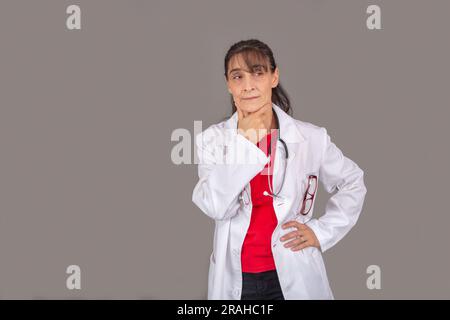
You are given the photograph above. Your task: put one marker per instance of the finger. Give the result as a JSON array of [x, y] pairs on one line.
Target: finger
[[240, 113], [292, 223], [292, 243], [290, 235], [301, 246], [302, 226]]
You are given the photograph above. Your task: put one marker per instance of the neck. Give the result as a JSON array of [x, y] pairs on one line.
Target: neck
[[269, 119], [274, 124]]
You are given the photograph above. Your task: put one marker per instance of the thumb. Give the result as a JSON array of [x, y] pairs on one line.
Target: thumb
[[240, 113]]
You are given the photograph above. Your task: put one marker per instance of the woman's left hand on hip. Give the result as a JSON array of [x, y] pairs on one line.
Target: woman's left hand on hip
[[301, 238]]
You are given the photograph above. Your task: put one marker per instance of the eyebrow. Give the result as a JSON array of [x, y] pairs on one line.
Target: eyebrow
[[255, 66], [235, 69]]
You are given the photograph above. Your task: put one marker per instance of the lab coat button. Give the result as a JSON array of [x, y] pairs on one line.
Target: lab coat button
[[236, 252], [236, 292]]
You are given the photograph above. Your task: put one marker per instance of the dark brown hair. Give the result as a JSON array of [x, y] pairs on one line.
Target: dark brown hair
[[255, 53]]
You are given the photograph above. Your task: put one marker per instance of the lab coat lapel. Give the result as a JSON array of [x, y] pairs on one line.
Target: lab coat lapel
[[295, 169]]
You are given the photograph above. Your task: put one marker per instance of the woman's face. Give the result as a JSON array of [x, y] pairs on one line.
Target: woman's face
[[251, 89]]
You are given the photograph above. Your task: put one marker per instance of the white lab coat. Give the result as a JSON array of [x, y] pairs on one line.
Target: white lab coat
[[302, 274]]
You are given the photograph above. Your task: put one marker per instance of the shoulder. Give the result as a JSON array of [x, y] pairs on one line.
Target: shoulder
[[310, 130], [213, 133]]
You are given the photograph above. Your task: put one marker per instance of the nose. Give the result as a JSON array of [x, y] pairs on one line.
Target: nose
[[248, 84]]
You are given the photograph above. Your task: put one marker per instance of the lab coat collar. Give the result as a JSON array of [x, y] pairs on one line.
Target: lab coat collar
[[289, 131]]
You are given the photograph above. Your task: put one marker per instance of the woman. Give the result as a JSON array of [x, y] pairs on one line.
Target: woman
[[267, 245]]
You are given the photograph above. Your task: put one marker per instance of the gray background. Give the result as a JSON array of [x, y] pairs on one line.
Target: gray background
[[86, 118]]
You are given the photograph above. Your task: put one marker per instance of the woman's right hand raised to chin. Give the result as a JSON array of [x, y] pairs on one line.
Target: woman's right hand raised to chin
[[254, 126]]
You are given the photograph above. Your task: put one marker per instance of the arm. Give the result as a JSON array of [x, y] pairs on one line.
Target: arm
[[220, 184], [338, 172]]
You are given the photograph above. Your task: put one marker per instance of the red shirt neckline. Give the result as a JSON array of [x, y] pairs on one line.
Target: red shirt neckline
[[256, 255]]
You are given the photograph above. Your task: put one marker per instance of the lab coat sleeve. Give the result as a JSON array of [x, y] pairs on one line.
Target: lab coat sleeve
[[221, 182], [338, 172]]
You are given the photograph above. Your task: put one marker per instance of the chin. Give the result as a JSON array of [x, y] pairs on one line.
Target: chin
[[251, 106]]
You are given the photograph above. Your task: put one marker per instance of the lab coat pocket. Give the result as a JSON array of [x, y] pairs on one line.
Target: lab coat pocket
[[308, 187], [305, 181], [310, 272], [317, 259]]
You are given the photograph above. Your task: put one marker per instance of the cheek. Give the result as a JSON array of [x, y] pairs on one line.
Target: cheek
[[265, 87], [266, 92], [234, 90], [269, 86]]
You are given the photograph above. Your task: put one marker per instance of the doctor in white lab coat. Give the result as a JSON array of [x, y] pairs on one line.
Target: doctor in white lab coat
[[229, 158]]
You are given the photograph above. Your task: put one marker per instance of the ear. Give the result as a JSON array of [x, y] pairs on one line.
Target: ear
[[275, 77]]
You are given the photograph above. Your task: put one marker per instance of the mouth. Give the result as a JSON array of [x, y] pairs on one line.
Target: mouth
[[250, 98]]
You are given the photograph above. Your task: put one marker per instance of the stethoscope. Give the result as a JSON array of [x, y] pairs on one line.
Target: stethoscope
[[269, 180]]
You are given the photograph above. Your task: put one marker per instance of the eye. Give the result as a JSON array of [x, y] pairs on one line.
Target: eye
[[258, 73], [236, 77]]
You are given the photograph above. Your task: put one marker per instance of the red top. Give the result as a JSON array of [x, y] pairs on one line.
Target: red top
[[256, 253]]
